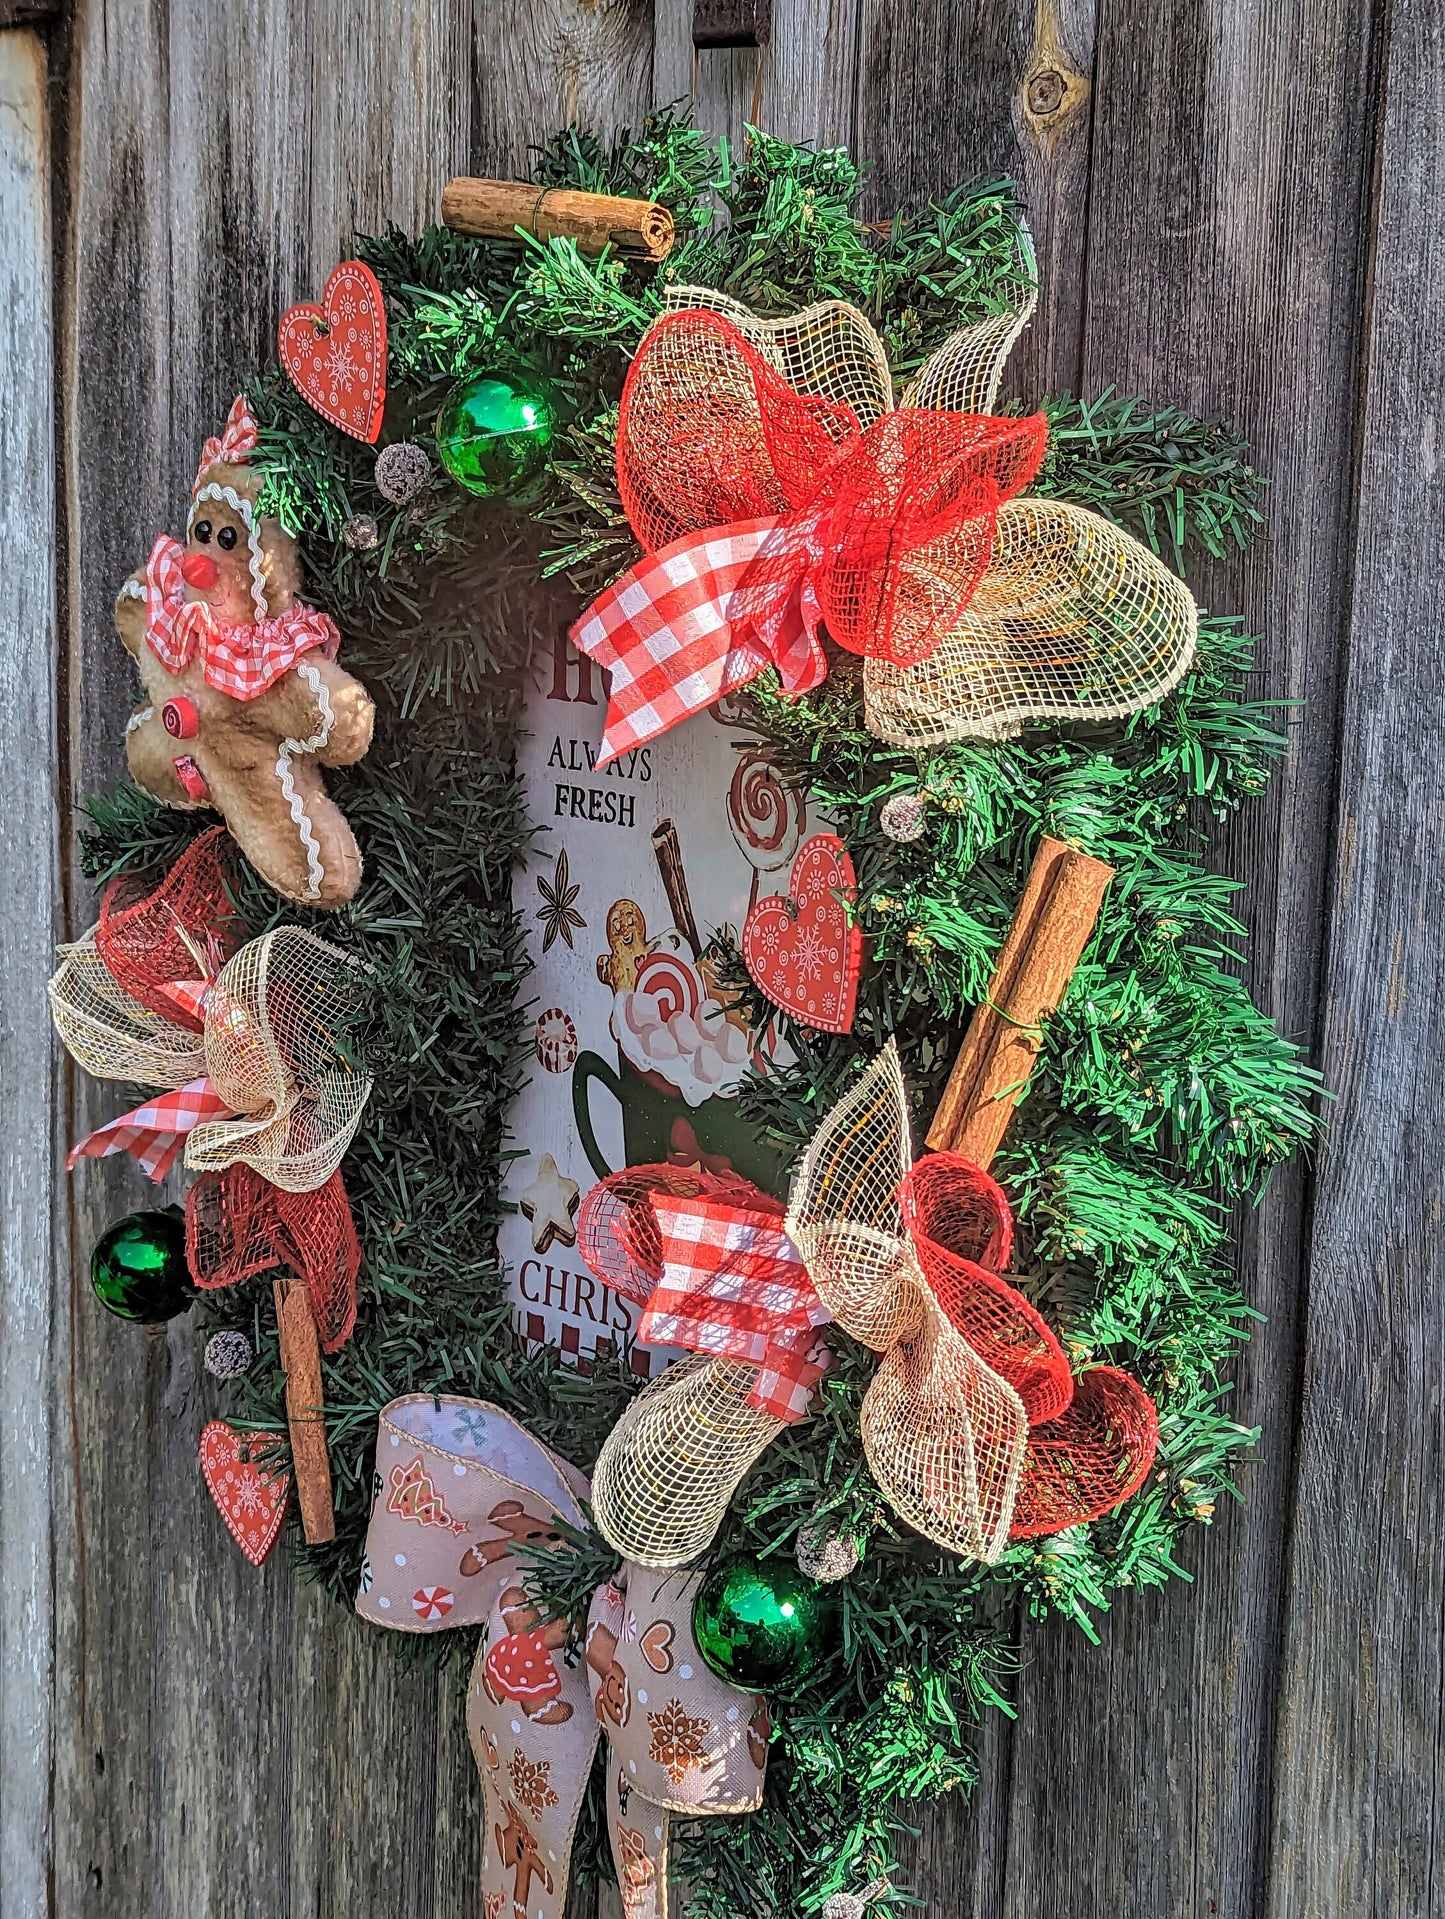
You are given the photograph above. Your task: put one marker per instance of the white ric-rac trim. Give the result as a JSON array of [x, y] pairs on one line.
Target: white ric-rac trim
[[315, 870]]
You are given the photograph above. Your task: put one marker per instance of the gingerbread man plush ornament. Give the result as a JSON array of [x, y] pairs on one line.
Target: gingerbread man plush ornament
[[244, 702]]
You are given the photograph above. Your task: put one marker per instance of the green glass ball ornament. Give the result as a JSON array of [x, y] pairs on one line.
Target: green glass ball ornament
[[762, 1624], [493, 435], [138, 1268]]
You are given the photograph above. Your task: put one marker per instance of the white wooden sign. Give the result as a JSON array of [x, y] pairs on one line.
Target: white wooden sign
[[637, 1055]]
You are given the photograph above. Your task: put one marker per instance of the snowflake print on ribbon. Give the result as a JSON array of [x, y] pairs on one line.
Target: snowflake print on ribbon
[[679, 1742], [638, 1870], [558, 912], [531, 1781], [468, 1428]]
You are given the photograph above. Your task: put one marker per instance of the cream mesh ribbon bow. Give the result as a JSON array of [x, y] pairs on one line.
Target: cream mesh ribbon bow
[[943, 1434], [974, 1425], [459, 1487], [263, 1083]]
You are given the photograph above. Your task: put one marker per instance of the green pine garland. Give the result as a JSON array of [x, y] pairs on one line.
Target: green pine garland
[[1161, 1090]]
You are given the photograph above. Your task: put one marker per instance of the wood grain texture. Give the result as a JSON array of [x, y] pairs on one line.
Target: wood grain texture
[[801, 86], [1360, 1763], [226, 1743], [550, 63], [31, 1228], [231, 1744], [1227, 218]]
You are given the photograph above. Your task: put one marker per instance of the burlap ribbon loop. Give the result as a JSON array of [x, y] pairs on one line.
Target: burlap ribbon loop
[[459, 1486]]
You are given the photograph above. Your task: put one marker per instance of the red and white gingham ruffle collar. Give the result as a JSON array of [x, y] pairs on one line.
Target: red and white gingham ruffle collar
[[243, 660]]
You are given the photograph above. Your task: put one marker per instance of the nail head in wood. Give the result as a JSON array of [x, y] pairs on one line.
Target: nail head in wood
[[732, 23]]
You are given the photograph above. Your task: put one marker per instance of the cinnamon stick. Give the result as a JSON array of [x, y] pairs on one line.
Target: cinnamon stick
[[667, 850], [494, 209], [301, 1363], [1055, 916]]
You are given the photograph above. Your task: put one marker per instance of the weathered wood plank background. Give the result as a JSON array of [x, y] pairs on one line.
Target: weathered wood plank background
[[1239, 208]]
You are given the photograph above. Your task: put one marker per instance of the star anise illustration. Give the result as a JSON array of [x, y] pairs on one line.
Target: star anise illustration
[[557, 912]]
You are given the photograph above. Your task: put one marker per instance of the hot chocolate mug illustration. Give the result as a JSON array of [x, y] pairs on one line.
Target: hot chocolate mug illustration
[[682, 1053]]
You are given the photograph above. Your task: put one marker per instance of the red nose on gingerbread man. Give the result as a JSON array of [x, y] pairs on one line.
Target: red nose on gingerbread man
[[244, 702]]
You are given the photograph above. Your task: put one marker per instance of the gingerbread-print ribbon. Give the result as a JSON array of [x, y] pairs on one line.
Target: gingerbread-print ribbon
[[165, 991], [459, 1486], [777, 490]]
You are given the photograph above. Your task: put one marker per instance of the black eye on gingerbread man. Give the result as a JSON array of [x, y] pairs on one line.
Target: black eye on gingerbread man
[[226, 537], [202, 531]]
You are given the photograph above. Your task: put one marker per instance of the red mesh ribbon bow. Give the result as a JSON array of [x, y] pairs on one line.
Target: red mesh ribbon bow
[[769, 505], [974, 1425], [165, 990]]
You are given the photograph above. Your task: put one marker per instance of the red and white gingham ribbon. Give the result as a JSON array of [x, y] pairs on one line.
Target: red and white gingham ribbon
[[242, 660], [734, 1286], [235, 443], [155, 1133], [666, 634]]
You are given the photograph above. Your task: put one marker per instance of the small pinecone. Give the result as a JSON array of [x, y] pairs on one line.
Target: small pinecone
[[361, 532], [826, 1556], [402, 469], [843, 1905], [228, 1355], [902, 817]]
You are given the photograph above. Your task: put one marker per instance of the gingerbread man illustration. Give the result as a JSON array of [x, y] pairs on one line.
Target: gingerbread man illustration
[[520, 1667], [519, 1851], [519, 1528], [613, 1699], [243, 700], [626, 931]]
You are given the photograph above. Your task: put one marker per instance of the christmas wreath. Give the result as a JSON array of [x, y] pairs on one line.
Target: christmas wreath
[[786, 433]]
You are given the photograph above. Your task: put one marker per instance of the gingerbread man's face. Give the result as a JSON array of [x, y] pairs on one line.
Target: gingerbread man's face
[[217, 562], [614, 1698], [626, 928]]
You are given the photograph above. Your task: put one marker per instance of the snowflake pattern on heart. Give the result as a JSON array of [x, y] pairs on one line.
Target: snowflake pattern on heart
[[802, 951], [335, 353], [251, 1499]]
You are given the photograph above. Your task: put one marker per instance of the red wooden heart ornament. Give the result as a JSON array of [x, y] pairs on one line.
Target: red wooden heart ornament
[[801, 951], [249, 1497], [335, 353]]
